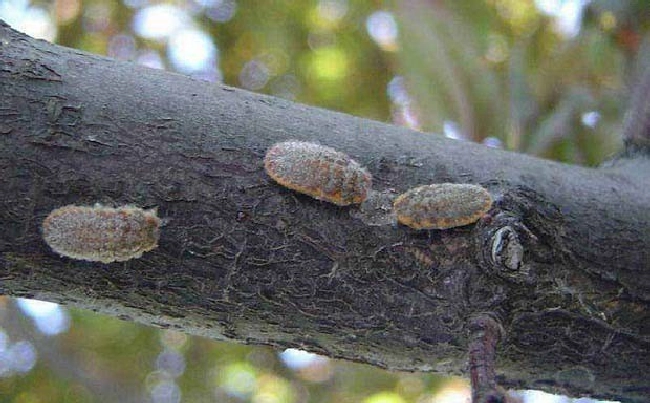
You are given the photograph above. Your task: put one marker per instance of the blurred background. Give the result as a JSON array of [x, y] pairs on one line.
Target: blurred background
[[545, 77]]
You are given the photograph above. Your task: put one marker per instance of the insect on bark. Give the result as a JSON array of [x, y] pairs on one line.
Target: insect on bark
[[442, 205], [318, 171], [101, 234]]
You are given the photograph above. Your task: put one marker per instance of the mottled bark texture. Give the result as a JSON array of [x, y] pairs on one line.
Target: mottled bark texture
[[561, 261]]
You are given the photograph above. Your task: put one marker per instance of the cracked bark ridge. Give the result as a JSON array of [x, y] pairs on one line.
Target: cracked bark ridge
[[522, 245], [562, 258], [512, 251]]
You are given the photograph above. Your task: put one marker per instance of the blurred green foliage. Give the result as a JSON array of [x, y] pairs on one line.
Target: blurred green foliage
[[498, 69], [103, 359], [501, 69]]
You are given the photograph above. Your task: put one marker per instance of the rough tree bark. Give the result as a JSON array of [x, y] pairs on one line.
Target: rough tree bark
[[562, 260]]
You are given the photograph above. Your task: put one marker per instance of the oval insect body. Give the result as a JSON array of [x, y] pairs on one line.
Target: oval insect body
[[443, 205], [318, 171], [101, 234]]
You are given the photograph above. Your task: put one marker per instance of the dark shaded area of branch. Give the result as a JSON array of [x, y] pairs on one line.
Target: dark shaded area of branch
[[562, 260]]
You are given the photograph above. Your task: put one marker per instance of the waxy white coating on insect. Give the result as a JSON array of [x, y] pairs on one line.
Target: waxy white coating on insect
[[318, 171], [442, 205], [101, 234], [377, 209]]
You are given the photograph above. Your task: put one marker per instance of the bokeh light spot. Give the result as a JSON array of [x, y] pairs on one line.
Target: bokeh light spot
[[67, 10], [567, 14], [254, 75], [273, 389], [286, 86], [135, 3], [410, 385], [309, 366], [238, 380], [396, 90], [121, 47], [34, 21], [330, 63], [384, 397], [607, 21], [493, 142], [49, 318], [165, 392], [159, 21], [452, 130], [220, 10], [17, 358], [98, 17], [590, 119], [150, 59], [191, 50], [173, 339], [298, 359], [382, 28], [171, 362], [520, 15], [23, 356], [329, 13], [538, 396], [455, 391]]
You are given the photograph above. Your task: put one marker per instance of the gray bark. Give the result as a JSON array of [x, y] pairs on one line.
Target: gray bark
[[562, 260]]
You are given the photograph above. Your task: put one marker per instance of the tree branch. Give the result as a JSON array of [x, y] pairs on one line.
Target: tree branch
[[562, 260]]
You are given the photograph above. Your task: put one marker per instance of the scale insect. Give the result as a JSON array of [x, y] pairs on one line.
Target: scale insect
[[101, 234], [318, 171], [442, 206]]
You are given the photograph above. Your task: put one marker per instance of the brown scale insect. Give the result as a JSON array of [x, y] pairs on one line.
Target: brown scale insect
[[443, 205], [101, 234], [318, 171]]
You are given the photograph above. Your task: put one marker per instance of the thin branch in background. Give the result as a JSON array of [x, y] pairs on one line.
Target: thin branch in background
[[636, 128]]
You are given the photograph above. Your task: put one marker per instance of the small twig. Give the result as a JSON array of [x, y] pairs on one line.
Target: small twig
[[636, 128], [485, 332]]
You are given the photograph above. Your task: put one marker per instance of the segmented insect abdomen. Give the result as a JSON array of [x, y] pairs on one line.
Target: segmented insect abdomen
[[318, 171], [443, 205], [101, 234]]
